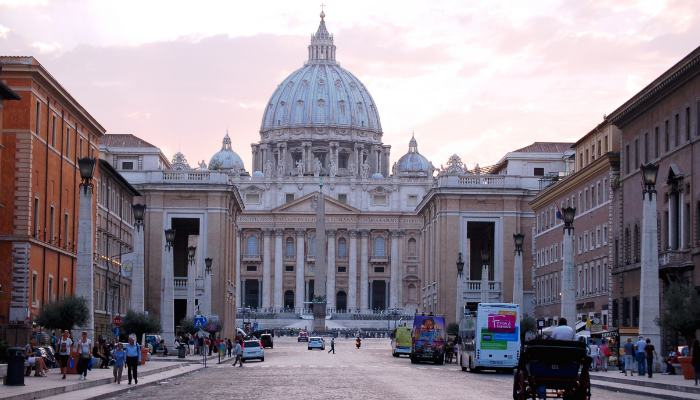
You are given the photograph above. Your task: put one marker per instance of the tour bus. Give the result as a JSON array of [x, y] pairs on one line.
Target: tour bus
[[490, 338], [428, 339], [401, 341]]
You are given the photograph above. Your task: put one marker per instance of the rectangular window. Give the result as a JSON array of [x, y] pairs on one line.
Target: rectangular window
[[289, 250], [64, 292], [539, 172], [687, 124], [288, 268], [605, 234], [636, 153], [66, 239], [35, 218], [379, 270], [592, 239], [343, 198], [50, 288], [37, 124], [67, 150], [627, 159], [34, 285], [128, 165], [343, 161], [656, 142], [605, 140], [635, 311], [251, 268], [677, 130], [412, 200], [592, 152], [80, 148], [342, 249], [52, 224], [646, 148], [604, 195], [667, 138], [599, 148], [53, 131], [342, 269], [252, 198], [288, 197], [379, 199]]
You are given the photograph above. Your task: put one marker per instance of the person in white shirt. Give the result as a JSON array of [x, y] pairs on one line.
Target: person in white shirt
[[593, 348], [563, 331]]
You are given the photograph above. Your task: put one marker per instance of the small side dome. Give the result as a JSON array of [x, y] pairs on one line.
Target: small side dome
[[377, 176], [226, 158], [413, 163], [258, 174]]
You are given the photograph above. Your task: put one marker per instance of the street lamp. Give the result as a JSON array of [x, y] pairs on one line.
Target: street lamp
[[460, 265], [191, 251], [139, 211], [86, 165], [169, 238], [649, 173], [519, 239], [207, 264], [485, 257], [569, 214]]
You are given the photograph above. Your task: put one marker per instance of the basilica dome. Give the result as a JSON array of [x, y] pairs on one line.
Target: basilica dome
[[321, 94], [226, 158], [413, 163]]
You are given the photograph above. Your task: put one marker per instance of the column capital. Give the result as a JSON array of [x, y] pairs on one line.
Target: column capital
[[397, 232], [239, 231], [364, 233], [353, 233], [300, 231], [279, 232], [267, 232], [331, 232]]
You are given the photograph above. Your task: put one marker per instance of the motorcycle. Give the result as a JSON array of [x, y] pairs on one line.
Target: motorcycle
[[358, 343]]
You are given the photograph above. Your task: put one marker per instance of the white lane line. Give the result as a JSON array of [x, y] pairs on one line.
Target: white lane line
[[312, 366], [329, 366], [281, 366], [296, 366]]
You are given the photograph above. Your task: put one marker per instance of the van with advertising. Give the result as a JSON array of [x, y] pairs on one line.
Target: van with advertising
[[428, 339], [401, 341], [490, 338]]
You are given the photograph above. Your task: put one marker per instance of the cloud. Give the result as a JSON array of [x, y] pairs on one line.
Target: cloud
[[3, 32], [45, 48]]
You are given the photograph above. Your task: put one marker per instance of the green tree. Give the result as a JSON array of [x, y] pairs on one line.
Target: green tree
[[452, 328], [63, 313], [527, 324], [681, 311], [139, 324]]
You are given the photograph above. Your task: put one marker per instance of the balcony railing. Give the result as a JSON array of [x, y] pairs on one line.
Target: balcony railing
[[252, 257], [381, 259], [180, 283], [475, 286]]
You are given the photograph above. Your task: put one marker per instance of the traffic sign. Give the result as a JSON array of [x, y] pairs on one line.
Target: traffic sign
[[212, 327], [255, 326], [117, 321], [199, 322], [116, 331]]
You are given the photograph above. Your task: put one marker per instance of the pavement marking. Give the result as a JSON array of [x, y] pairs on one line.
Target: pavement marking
[[312, 366], [296, 366], [329, 366], [281, 366]]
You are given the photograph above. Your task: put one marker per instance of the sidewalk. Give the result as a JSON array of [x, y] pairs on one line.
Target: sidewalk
[[672, 387], [100, 382]]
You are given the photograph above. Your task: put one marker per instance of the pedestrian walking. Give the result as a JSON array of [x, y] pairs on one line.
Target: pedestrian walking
[[332, 346], [641, 357], [650, 352], [239, 353], [119, 356], [594, 352], [65, 346], [604, 354], [133, 359], [229, 347], [629, 356], [695, 362], [85, 356]]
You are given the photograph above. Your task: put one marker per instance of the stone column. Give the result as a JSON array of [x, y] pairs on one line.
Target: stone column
[[518, 280], [352, 271], [330, 274], [137, 271], [84, 273], [649, 291], [364, 270], [300, 292], [239, 234], [266, 268], [568, 280], [207, 295], [167, 314], [278, 268], [395, 265], [485, 283], [191, 284], [306, 292]]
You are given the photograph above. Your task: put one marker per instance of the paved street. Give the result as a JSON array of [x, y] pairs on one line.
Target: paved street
[[291, 371]]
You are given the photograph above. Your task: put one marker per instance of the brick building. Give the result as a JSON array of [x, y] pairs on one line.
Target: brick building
[[588, 188], [43, 135]]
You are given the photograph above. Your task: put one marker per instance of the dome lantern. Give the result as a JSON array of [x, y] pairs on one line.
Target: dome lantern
[[413, 163], [226, 158]]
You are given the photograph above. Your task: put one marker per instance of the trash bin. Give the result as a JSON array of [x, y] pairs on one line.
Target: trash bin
[[181, 351], [15, 366]]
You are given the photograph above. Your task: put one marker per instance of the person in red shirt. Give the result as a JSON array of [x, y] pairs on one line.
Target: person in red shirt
[[669, 361]]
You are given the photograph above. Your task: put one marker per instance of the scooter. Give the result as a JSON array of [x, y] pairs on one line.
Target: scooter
[[358, 343]]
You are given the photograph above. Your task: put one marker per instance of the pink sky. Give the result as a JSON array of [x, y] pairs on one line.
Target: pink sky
[[476, 78]]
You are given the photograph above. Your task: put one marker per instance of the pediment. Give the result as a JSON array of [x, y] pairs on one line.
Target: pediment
[[307, 205]]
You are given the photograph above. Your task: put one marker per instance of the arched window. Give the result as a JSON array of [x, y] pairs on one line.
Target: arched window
[[252, 245], [312, 248], [342, 248], [379, 246], [627, 245], [637, 246], [412, 247], [289, 249]]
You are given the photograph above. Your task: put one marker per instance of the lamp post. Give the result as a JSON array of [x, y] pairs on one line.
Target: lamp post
[[137, 267], [460, 291], [207, 286], [568, 290], [167, 315], [84, 274], [485, 258], [518, 238], [649, 281]]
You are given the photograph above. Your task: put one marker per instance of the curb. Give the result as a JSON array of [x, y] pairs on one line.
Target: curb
[[135, 387], [650, 384], [641, 392]]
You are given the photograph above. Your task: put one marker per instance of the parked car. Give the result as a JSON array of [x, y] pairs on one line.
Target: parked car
[[48, 355], [154, 341], [316, 343], [252, 349], [303, 337], [266, 340]]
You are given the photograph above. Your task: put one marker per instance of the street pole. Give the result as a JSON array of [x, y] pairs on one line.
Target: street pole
[[649, 289], [568, 290]]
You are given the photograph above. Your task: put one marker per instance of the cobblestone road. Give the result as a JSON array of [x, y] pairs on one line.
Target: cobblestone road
[[290, 371]]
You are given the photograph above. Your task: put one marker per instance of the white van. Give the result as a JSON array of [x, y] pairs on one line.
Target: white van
[[490, 338]]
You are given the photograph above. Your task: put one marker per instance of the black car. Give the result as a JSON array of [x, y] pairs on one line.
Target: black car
[[48, 355], [266, 340], [303, 337]]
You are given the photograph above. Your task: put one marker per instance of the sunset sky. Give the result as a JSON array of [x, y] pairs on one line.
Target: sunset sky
[[475, 78]]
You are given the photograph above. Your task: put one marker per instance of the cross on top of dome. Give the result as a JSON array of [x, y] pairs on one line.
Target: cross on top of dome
[[322, 47], [413, 145], [226, 144]]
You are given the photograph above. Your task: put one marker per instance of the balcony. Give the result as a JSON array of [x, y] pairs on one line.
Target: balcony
[[471, 291], [180, 283], [412, 258], [256, 258], [311, 257], [379, 259], [289, 258]]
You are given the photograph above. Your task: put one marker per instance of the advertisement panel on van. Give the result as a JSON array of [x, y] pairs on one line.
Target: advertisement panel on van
[[428, 336], [500, 331]]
